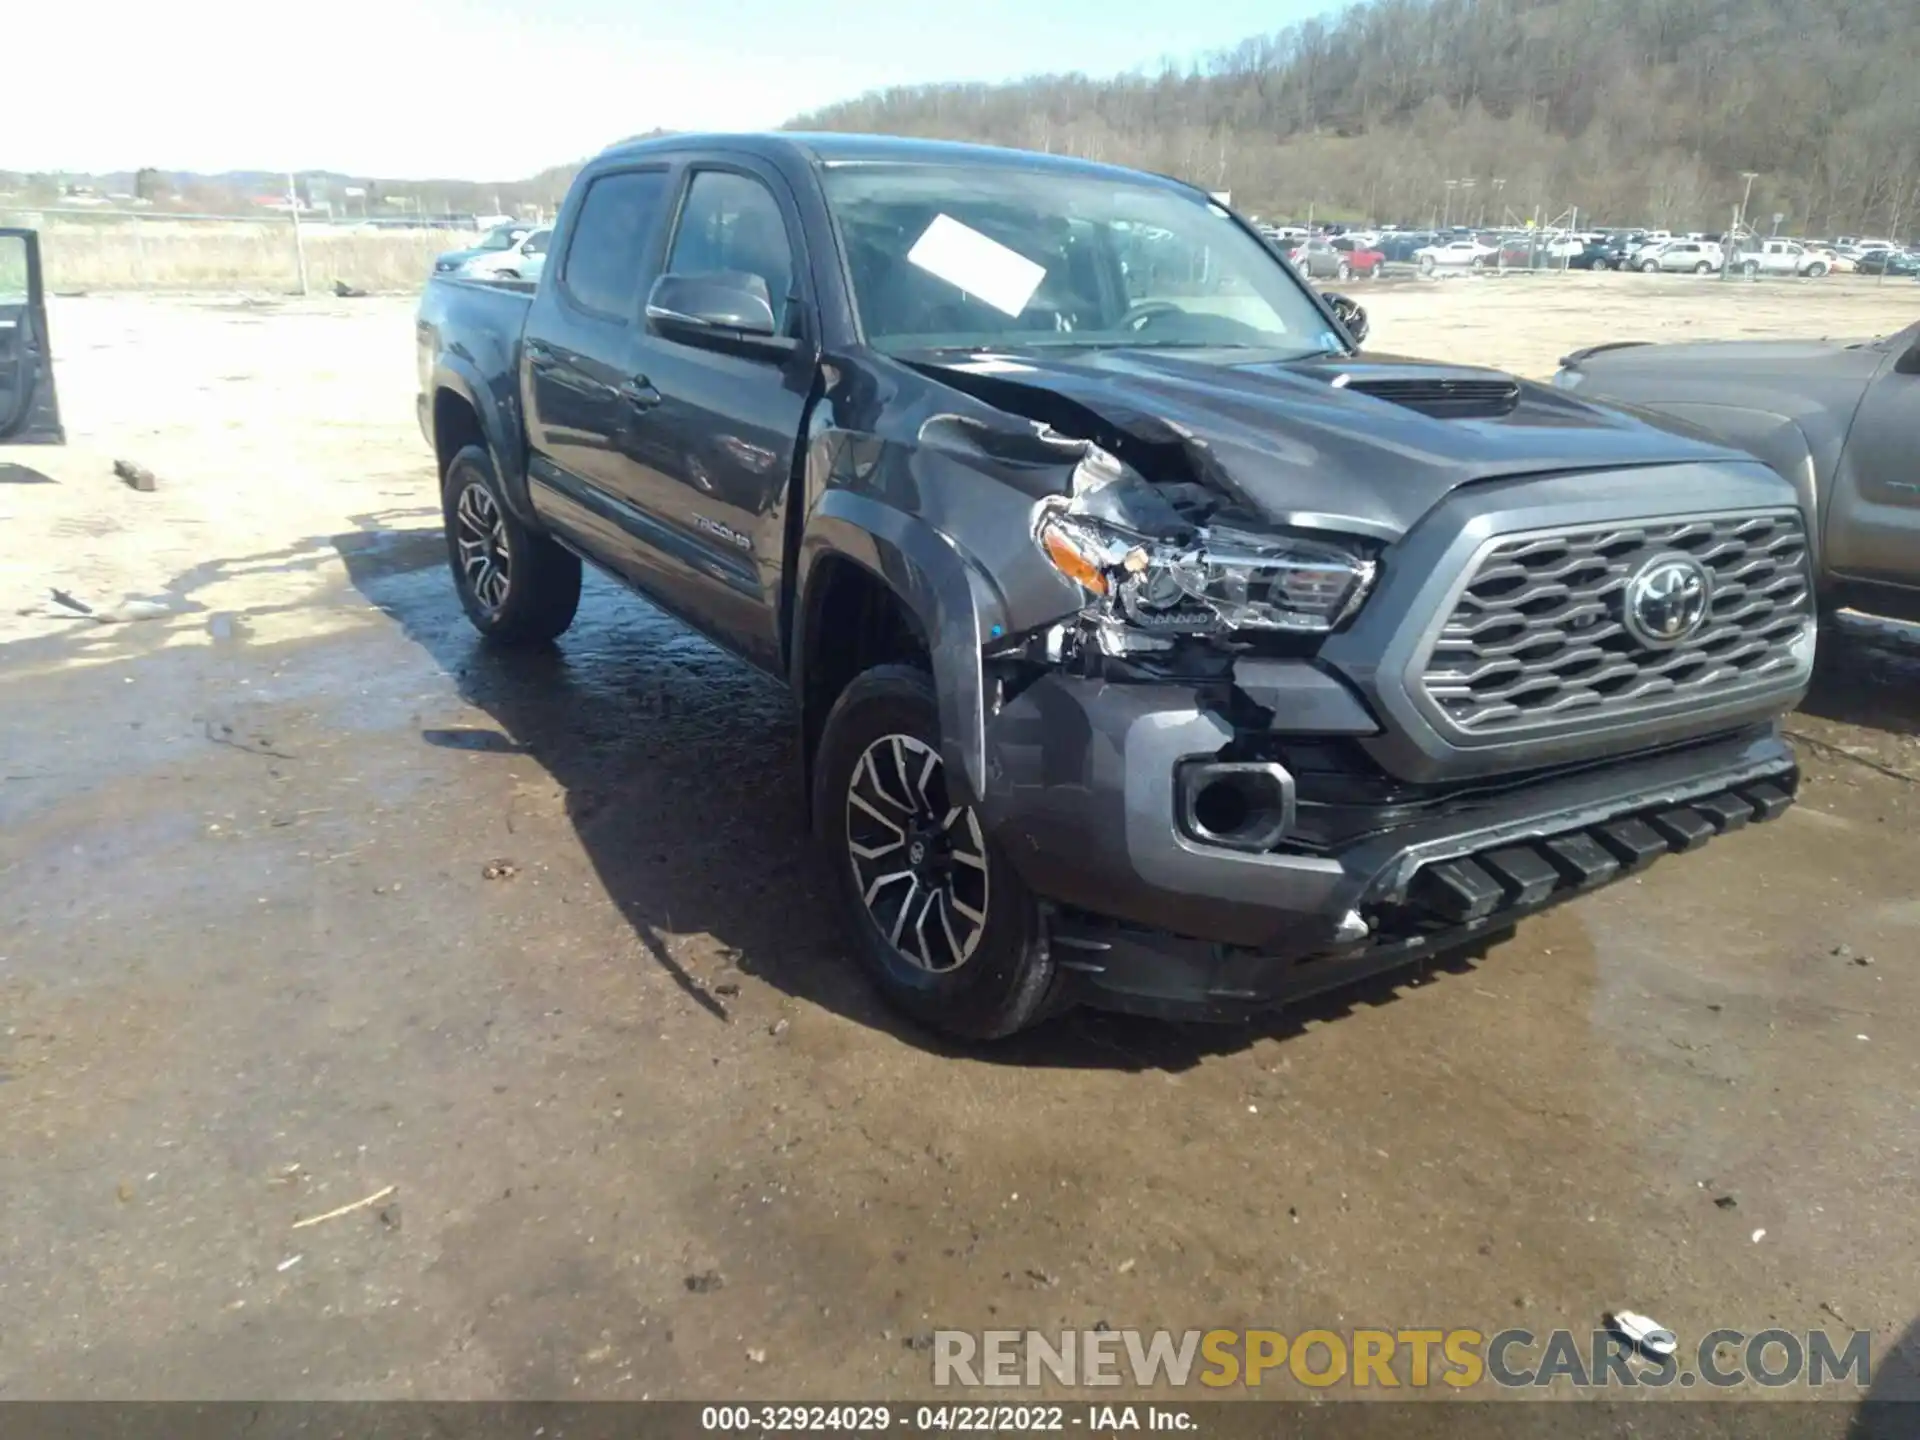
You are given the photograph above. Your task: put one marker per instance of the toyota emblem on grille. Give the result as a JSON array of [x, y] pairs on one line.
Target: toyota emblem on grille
[[1666, 600]]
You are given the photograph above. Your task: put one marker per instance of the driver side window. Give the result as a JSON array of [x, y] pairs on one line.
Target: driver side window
[[731, 222]]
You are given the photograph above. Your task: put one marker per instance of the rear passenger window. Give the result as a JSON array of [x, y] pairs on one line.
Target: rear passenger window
[[611, 240], [732, 222]]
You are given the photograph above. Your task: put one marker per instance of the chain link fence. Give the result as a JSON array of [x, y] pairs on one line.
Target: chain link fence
[[99, 251]]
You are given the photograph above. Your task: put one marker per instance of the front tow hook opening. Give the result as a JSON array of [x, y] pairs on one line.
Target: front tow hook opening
[[1244, 805]]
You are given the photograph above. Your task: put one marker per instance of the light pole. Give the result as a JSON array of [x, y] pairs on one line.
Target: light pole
[[1739, 225]]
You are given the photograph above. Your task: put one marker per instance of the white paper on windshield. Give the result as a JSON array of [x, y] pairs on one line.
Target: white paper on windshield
[[993, 365], [977, 264]]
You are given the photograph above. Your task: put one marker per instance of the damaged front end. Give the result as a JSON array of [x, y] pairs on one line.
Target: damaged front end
[[1160, 574]]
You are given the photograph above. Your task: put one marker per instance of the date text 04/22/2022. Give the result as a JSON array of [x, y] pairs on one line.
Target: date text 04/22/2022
[[962, 1418]]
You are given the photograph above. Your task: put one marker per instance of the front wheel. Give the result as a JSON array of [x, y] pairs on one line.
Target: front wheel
[[1703, 268], [517, 586], [1478, 262], [1751, 268], [938, 918], [1817, 269], [1650, 268], [1343, 271], [1427, 265]]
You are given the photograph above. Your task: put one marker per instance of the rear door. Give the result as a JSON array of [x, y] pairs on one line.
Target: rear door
[[578, 379], [29, 409]]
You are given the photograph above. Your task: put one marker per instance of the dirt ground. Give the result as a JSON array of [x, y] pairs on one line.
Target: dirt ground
[[307, 896]]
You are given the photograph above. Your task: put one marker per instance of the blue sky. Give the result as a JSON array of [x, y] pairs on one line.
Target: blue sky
[[495, 89]]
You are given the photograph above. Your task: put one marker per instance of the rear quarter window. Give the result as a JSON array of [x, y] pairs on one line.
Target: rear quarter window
[[612, 241]]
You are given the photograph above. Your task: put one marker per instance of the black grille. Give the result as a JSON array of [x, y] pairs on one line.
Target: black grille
[[1446, 399], [1538, 638]]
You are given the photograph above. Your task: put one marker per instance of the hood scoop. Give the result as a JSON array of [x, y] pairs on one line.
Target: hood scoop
[[1464, 396]]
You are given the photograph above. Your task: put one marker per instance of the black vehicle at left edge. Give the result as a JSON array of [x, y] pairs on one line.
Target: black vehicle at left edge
[[1154, 646], [29, 406]]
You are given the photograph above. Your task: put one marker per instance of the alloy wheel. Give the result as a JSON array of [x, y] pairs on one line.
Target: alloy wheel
[[919, 862], [480, 531]]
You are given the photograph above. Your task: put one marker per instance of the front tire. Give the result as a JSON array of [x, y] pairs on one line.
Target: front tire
[[1343, 271], [1751, 268], [1651, 267], [939, 920], [517, 586], [1817, 269]]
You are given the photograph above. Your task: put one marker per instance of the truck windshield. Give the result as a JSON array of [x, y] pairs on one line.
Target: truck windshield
[[992, 257]]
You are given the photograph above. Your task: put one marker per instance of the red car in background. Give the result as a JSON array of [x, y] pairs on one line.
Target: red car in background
[[1339, 258]]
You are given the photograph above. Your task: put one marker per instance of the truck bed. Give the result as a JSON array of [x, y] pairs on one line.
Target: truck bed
[[478, 320]]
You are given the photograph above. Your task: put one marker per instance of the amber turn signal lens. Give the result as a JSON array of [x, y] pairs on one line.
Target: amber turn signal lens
[[1071, 561]]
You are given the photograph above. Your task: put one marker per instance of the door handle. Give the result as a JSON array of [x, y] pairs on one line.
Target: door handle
[[639, 393]]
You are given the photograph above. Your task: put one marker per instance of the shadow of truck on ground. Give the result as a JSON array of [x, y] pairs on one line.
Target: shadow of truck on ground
[[683, 784]]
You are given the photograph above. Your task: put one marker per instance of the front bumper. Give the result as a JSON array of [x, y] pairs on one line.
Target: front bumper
[[1083, 795]]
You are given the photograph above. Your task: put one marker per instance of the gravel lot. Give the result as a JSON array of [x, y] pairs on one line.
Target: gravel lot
[[308, 896]]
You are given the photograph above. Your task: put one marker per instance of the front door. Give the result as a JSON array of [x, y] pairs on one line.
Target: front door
[[715, 453], [29, 408]]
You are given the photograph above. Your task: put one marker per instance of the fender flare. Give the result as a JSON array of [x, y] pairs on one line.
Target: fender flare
[[1781, 442], [951, 600], [458, 376]]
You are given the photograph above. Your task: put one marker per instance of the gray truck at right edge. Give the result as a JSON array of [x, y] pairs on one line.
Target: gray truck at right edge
[[1153, 644], [1839, 419]]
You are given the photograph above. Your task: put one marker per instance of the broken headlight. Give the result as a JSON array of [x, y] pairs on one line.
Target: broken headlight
[[1219, 580]]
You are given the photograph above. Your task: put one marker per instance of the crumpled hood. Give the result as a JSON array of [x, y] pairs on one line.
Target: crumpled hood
[[1305, 447]]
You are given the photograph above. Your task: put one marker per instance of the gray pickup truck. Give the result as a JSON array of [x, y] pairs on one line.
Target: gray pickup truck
[[1840, 419], [1153, 645]]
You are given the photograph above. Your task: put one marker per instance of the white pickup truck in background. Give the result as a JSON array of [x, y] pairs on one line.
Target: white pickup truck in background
[[1781, 257]]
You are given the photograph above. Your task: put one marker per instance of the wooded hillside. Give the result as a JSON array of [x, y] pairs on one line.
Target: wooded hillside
[[1636, 111]]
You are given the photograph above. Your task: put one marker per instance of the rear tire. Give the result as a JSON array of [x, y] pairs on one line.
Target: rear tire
[[970, 958], [518, 587], [1751, 268], [1343, 271], [1703, 268], [1817, 269]]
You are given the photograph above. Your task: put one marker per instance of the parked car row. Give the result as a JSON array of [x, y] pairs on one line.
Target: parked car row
[[1340, 257]]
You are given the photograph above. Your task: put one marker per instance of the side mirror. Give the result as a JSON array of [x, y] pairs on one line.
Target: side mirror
[[717, 308], [1351, 315]]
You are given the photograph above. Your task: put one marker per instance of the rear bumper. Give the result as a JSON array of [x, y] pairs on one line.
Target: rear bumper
[[1084, 797]]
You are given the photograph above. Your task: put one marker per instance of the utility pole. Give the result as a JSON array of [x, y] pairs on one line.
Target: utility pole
[[299, 240], [1739, 224], [1446, 222]]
